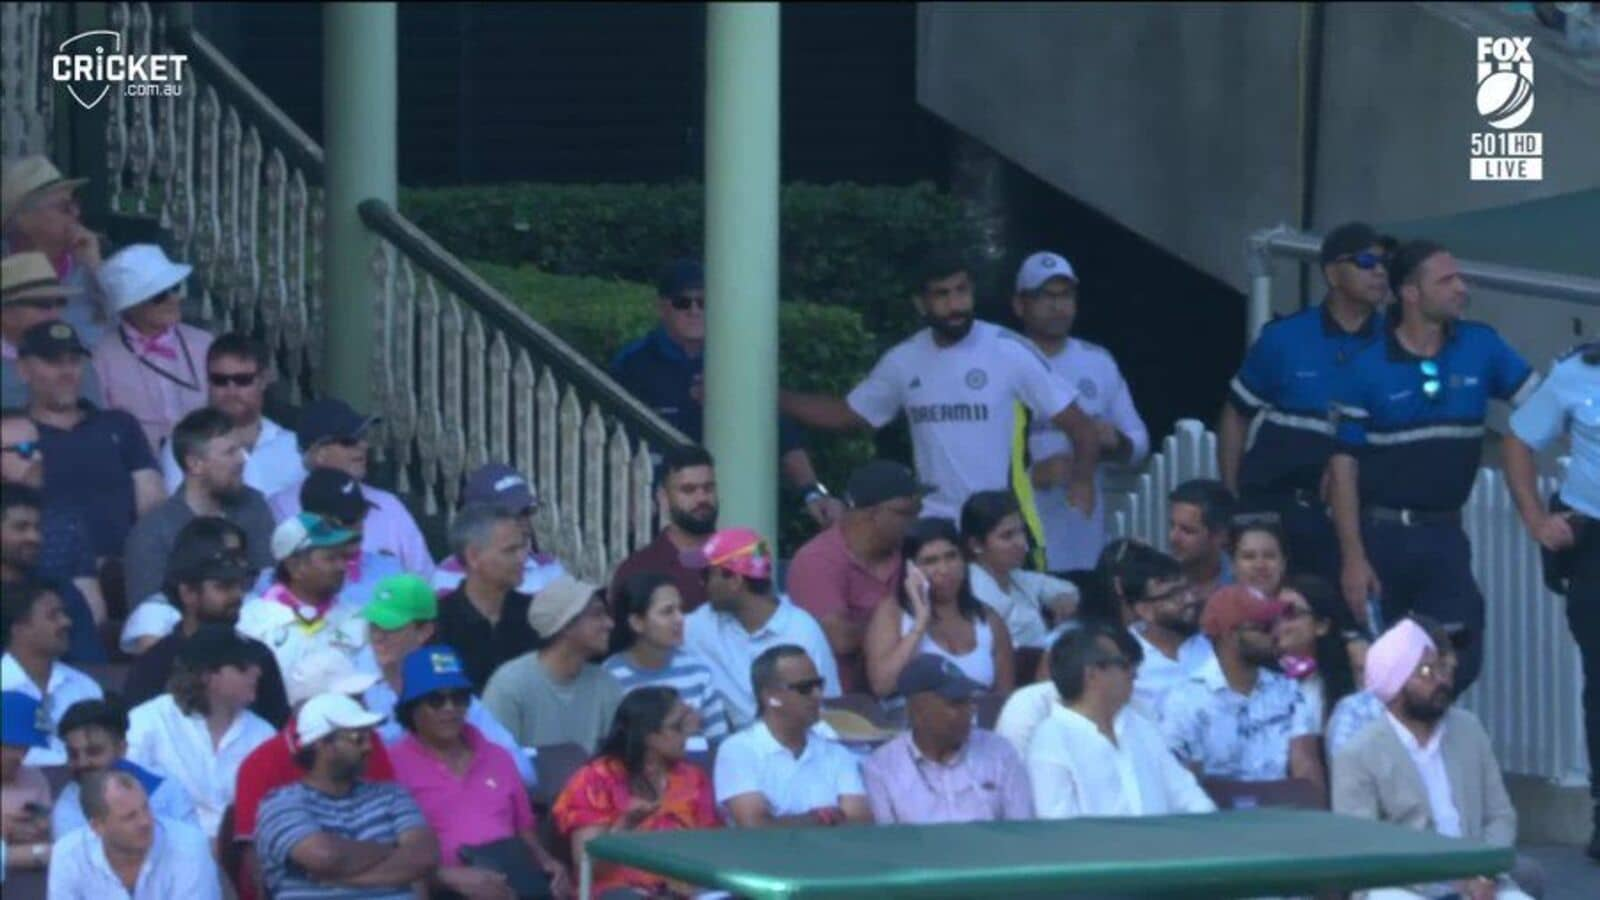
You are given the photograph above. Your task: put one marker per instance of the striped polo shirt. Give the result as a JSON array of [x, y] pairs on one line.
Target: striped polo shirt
[[377, 812], [686, 674]]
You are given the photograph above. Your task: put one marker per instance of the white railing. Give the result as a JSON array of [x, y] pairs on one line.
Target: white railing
[[1530, 694]]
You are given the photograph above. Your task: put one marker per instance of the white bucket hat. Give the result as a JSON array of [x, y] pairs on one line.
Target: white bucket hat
[[140, 272]]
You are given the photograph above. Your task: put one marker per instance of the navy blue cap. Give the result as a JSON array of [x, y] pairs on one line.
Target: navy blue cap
[[333, 494], [681, 275], [330, 419], [50, 340]]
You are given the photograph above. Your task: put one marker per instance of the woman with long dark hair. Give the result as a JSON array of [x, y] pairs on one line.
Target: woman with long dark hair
[[1319, 640], [651, 617], [1259, 558], [997, 541], [638, 781], [937, 613]]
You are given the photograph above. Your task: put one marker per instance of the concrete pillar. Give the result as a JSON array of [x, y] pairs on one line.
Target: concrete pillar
[[359, 115], [741, 416]]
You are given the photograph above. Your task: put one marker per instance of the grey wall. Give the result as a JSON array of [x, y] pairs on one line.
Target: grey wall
[[1182, 121]]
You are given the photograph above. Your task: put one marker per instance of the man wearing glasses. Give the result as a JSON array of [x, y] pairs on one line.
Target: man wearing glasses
[[65, 553], [39, 212], [30, 294], [238, 372], [665, 370], [1284, 390], [1410, 442]]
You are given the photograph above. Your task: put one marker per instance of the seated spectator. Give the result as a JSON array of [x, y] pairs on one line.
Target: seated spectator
[[944, 769], [686, 492], [743, 619], [36, 631], [150, 364], [486, 618], [167, 858], [937, 613], [64, 550], [336, 498], [272, 765], [1027, 708], [554, 695], [30, 295], [401, 620], [1259, 559], [1361, 708], [99, 460], [334, 834], [24, 791], [653, 653], [41, 213], [1095, 755], [207, 576], [1198, 533], [96, 735], [841, 575], [213, 485], [238, 372], [1318, 642], [301, 611], [639, 780], [1167, 626], [501, 487], [997, 543], [780, 772], [332, 435], [1234, 717], [157, 615], [1425, 764], [201, 730], [20, 543], [468, 788]]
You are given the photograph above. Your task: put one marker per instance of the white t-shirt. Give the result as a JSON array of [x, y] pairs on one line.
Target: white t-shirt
[[727, 649], [1073, 541], [161, 737], [753, 762], [961, 404]]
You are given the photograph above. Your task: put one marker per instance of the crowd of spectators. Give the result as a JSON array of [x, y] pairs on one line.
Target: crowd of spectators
[[301, 703]]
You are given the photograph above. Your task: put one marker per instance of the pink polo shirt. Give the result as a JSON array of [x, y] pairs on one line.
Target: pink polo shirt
[[825, 579], [485, 805]]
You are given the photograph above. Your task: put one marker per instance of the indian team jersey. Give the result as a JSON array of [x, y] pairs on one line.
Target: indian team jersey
[[960, 402], [1073, 541]]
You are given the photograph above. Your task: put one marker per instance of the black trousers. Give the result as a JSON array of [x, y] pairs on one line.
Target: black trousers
[[1312, 543], [1583, 617], [1428, 569]]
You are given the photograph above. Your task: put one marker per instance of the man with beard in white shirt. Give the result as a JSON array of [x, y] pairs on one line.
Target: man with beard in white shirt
[[959, 382], [1046, 302]]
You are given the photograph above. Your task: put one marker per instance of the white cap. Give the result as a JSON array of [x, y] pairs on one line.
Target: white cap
[[326, 713], [138, 272], [325, 671], [1041, 267]]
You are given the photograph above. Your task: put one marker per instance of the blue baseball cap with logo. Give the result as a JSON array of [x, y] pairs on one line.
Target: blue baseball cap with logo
[[431, 668], [20, 721]]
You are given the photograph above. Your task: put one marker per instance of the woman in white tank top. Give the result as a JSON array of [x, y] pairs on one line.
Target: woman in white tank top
[[936, 613]]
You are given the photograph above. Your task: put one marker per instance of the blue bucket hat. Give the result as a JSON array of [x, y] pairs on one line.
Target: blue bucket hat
[[431, 668], [22, 721]]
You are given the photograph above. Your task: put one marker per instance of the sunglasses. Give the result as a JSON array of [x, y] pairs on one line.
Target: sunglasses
[[40, 303], [681, 302], [809, 686], [459, 697], [1365, 260], [24, 449], [1432, 384], [223, 379]]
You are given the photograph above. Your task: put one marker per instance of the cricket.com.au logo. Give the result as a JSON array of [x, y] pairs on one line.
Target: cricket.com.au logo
[[92, 63], [1505, 101]]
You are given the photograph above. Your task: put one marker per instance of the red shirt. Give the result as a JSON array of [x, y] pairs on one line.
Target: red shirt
[[662, 557], [825, 579], [271, 766]]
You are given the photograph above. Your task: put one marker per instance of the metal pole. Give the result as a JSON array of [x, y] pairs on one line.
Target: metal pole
[[741, 416], [359, 114]]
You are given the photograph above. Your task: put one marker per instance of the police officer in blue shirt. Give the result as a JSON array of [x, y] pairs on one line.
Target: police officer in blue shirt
[[665, 368], [1411, 439], [1568, 402], [1282, 395]]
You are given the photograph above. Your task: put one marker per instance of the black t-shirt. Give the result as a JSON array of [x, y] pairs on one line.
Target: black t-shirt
[[147, 679], [482, 646]]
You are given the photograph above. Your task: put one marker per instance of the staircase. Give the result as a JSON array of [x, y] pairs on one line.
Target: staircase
[[461, 375]]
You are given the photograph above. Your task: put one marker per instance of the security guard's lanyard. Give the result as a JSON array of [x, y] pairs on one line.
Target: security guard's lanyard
[[193, 384]]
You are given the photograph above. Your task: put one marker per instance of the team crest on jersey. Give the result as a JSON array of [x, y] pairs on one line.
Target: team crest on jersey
[[1087, 388], [977, 378]]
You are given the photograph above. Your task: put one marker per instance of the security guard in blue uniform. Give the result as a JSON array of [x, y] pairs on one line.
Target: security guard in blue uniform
[[1568, 403], [665, 368], [1281, 396], [1411, 439]]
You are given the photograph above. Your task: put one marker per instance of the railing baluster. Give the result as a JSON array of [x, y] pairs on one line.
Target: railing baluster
[[225, 281], [247, 266], [403, 318], [642, 519], [117, 136], [473, 417], [296, 317], [548, 402], [497, 443], [275, 289], [141, 142], [570, 481], [619, 482], [429, 320], [316, 282], [593, 511], [207, 228], [179, 189], [524, 457], [457, 356]]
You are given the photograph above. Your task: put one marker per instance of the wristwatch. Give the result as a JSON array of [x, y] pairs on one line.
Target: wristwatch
[[814, 492]]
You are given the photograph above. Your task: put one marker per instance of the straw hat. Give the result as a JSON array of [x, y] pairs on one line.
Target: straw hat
[[26, 178], [29, 276]]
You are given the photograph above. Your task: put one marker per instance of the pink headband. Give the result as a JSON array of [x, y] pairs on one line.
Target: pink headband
[[1394, 657]]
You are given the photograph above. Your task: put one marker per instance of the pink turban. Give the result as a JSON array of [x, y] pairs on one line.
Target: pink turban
[[1394, 657]]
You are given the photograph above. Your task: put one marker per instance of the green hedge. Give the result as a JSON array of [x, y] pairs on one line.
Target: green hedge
[[842, 244], [825, 348]]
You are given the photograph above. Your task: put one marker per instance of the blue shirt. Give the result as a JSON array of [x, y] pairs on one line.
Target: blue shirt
[[1569, 400], [661, 375], [90, 468], [1418, 452], [1289, 379]]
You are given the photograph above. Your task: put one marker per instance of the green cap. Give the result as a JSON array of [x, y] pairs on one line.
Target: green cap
[[399, 600]]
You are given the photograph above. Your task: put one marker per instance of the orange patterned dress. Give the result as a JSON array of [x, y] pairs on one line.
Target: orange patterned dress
[[598, 794]]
